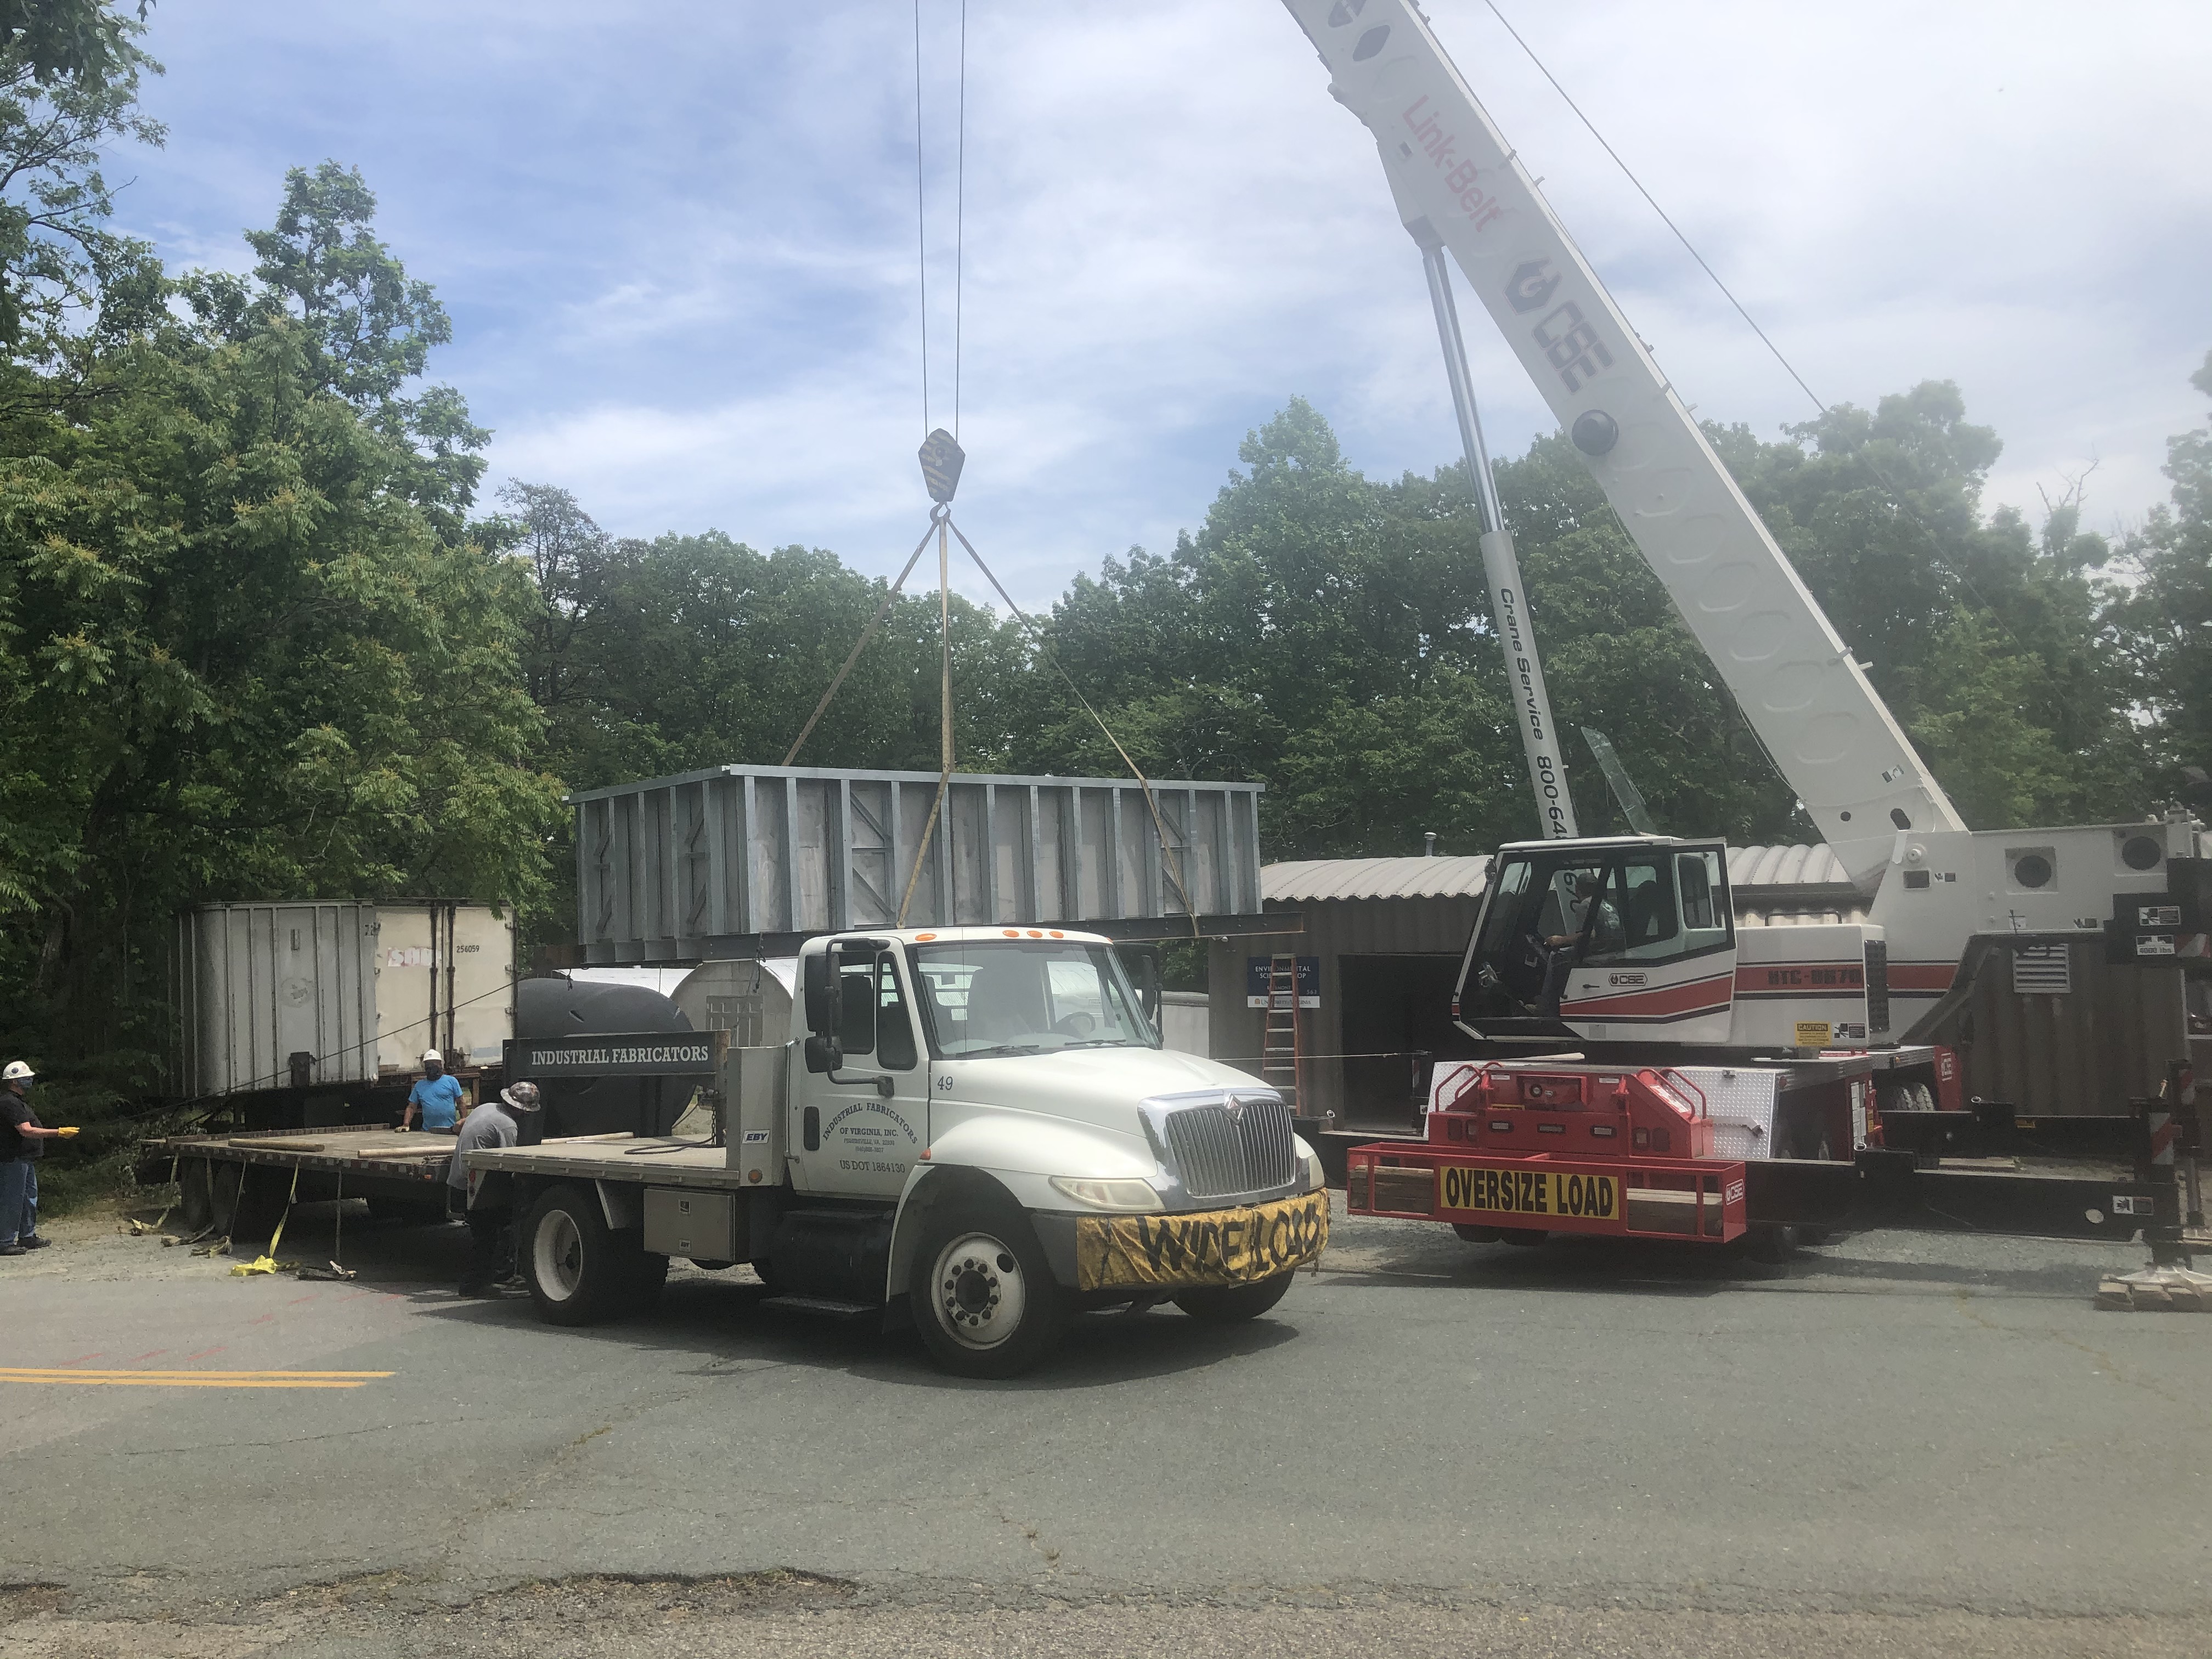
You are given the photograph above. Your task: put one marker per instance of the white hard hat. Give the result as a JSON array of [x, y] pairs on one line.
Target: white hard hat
[[16, 1072], [432, 1057]]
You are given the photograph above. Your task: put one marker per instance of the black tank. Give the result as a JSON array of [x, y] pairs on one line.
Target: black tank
[[558, 1006]]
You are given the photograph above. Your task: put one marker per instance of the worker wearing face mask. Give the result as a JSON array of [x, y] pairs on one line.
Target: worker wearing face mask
[[438, 1096]]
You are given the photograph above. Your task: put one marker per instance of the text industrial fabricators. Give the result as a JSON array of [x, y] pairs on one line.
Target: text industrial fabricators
[[674, 1053]]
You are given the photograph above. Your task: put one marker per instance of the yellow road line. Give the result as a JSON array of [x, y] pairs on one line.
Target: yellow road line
[[195, 1379]]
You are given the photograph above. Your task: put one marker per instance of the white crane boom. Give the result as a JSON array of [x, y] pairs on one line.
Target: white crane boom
[[1837, 745]]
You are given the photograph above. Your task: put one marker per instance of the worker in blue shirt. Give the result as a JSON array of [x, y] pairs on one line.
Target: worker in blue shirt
[[438, 1094]]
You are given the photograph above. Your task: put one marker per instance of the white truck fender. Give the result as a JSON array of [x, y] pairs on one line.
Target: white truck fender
[[1019, 1153]]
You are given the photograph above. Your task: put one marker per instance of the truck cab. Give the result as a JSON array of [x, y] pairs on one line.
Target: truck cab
[[1633, 939], [997, 1105]]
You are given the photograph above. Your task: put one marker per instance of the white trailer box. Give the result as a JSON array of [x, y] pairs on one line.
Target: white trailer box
[[359, 990]]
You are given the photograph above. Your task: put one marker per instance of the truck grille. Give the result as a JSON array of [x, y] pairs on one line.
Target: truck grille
[[1218, 1151], [1877, 988]]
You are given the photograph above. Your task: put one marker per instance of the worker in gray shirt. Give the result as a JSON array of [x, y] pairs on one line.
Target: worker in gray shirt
[[489, 1215]]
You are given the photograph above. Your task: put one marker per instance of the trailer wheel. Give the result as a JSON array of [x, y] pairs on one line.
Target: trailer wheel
[[1474, 1235], [195, 1194], [982, 1291], [580, 1271], [1818, 1151], [247, 1202], [417, 1211], [1232, 1304]]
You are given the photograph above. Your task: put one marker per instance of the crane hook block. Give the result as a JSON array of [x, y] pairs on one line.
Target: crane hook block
[[942, 457]]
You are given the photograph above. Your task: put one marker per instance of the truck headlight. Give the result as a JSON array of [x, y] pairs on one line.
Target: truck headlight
[[1127, 1195], [1316, 1177]]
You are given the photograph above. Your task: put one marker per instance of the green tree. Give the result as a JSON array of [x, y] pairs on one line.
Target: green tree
[[2161, 622], [67, 282], [86, 41], [366, 330], [240, 656]]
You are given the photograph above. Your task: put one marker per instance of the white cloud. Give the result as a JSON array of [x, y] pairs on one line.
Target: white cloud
[[679, 251]]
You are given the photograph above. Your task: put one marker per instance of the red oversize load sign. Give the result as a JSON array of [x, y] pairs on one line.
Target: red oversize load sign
[[1216, 1247]]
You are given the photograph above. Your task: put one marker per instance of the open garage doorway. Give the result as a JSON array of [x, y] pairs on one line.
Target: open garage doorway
[[1397, 1020]]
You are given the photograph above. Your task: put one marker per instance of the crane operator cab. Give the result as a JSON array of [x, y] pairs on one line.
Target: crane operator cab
[[1602, 940]]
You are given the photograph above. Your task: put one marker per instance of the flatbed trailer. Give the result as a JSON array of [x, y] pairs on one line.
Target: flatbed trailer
[[238, 1184]]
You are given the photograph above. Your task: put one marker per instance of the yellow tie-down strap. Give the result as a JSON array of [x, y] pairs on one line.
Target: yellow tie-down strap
[[1215, 1247]]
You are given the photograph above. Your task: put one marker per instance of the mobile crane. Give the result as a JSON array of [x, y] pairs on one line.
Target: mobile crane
[[1624, 948]]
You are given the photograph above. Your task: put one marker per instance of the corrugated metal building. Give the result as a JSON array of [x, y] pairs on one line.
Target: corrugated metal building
[[1387, 935]]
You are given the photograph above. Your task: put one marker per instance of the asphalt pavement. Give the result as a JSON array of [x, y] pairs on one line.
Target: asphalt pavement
[[1902, 1442]]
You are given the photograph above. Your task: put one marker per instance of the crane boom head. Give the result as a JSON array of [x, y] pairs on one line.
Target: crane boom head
[[1829, 734]]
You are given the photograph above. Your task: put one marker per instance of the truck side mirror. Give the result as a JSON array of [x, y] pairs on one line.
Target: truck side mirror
[[825, 1001], [824, 1054]]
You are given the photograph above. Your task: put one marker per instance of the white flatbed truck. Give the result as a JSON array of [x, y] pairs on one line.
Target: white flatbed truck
[[974, 1128]]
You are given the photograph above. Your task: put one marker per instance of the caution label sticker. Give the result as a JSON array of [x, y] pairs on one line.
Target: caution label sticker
[[1216, 1247]]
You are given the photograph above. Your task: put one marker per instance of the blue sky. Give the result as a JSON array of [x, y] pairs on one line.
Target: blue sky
[[677, 241]]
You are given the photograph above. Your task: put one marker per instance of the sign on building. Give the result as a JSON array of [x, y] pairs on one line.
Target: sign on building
[[1259, 969]]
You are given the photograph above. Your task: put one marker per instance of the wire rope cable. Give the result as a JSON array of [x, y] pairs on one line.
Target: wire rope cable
[[1629, 172], [1903, 507], [960, 221]]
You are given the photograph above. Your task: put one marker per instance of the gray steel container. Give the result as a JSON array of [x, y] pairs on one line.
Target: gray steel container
[[359, 989], [743, 860]]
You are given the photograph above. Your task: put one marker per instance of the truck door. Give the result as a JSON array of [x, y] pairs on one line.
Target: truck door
[[1658, 964], [846, 1136]]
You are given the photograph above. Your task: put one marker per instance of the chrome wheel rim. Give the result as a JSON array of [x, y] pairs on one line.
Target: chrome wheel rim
[[557, 1253], [977, 1291]]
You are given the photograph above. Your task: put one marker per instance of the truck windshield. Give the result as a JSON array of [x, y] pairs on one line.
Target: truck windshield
[[990, 997]]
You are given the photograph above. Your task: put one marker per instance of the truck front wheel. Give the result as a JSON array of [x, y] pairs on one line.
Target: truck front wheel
[[983, 1292], [1232, 1304], [580, 1271]]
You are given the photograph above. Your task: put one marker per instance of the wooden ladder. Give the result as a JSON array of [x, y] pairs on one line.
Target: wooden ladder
[[1279, 1056]]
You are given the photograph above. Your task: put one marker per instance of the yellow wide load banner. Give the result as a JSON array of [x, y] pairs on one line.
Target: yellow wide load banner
[[1215, 1247]]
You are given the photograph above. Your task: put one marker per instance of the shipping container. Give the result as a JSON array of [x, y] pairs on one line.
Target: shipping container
[[308, 994], [743, 861]]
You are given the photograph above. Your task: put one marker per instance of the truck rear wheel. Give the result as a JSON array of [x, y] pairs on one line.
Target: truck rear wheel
[[580, 1271], [1232, 1304], [983, 1292]]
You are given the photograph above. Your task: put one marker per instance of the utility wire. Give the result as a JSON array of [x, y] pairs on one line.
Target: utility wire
[[1905, 508], [1630, 174], [960, 221], [920, 218]]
